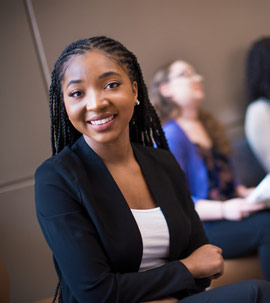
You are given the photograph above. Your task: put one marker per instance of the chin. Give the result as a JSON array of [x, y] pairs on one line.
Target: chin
[[200, 96]]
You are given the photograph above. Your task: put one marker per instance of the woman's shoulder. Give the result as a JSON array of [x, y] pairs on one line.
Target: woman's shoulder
[[70, 159], [259, 105], [57, 159], [65, 163], [150, 151], [156, 156], [257, 114], [173, 131], [171, 125]]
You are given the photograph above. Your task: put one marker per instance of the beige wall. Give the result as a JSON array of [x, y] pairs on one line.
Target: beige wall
[[213, 35], [24, 144]]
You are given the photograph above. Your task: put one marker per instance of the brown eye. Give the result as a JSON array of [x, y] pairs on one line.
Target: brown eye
[[185, 73], [112, 85], [75, 94]]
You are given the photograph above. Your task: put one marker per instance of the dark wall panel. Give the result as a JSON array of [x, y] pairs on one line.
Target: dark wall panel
[[24, 118]]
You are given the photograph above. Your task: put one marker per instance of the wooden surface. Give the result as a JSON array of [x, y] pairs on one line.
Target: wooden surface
[[239, 269]]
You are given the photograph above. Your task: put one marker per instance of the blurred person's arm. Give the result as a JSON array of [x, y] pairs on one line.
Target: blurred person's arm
[[257, 125], [233, 209]]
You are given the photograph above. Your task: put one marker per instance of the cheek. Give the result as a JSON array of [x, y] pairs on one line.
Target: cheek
[[74, 111], [127, 104], [182, 90], [129, 110]]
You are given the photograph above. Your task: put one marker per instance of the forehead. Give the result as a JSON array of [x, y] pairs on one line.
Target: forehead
[[91, 63], [178, 67]]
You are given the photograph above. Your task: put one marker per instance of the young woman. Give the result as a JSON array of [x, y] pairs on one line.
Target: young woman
[[198, 142], [114, 210], [257, 120]]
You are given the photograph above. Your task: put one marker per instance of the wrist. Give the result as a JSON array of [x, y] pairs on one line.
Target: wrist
[[188, 265]]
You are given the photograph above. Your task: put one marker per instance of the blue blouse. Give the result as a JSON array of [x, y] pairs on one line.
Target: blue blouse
[[204, 180]]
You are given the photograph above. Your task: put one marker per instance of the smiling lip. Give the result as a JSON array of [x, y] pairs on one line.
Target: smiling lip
[[101, 122], [198, 86]]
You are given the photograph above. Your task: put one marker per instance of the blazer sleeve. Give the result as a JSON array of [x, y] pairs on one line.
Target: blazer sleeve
[[77, 249], [198, 236]]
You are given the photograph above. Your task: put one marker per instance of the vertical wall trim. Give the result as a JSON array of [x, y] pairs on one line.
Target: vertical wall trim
[[38, 41], [29, 181]]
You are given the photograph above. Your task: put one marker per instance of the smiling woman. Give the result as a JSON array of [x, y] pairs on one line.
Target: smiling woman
[[114, 210], [99, 98], [62, 131]]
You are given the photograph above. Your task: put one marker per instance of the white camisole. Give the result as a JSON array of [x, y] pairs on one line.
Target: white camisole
[[155, 237]]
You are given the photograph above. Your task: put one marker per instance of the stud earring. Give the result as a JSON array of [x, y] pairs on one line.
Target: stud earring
[[137, 102]]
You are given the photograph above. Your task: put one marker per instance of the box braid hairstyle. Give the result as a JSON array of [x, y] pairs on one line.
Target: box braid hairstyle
[[145, 127]]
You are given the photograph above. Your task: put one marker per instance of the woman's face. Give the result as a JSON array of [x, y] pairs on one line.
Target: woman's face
[[99, 97], [185, 86]]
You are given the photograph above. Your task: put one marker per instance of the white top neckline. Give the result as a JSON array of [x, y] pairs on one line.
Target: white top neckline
[[139, 210], [155, 237]]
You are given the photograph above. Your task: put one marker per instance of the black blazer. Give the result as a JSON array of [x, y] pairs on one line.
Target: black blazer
[[96, 243]]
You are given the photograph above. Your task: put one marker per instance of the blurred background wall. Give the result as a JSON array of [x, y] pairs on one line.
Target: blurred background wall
[[213, 35]]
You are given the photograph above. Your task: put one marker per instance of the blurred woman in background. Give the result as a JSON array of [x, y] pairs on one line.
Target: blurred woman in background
[[257, 121], [199, 144]]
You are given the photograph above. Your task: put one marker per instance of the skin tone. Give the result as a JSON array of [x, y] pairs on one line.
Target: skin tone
[[185, 88], [99, 99]]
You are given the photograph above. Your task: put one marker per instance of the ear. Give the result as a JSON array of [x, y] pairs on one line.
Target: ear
[[135, 89], [164, 89]]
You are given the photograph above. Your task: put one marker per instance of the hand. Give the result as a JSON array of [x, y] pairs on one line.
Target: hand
[[238, 209], [243, 191], [205, 262]]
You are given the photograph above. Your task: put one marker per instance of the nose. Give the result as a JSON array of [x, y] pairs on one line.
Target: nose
[[95, 101], [198, 78]]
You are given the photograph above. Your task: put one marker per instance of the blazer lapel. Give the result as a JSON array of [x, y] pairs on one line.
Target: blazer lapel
[[109, 211], [111, 214], [164, 195]]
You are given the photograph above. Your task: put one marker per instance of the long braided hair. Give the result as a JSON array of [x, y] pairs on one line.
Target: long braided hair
[[145, 127]]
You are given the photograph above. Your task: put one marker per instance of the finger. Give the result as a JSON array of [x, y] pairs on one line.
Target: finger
[[216, 276], [218, 249], [252, 207]]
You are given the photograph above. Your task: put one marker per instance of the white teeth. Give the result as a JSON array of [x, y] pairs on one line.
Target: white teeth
[[103, 121]]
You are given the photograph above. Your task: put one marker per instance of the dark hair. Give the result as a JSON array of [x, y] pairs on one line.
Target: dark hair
[[258, 69], [145, 127], [163, 105]]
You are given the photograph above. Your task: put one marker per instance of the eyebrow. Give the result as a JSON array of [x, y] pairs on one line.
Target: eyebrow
[[107, 74], [183, 72], [104, 75], [73, 81]]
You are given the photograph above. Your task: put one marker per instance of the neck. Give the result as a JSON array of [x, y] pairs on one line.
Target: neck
[[113, 153], [189, 113]]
